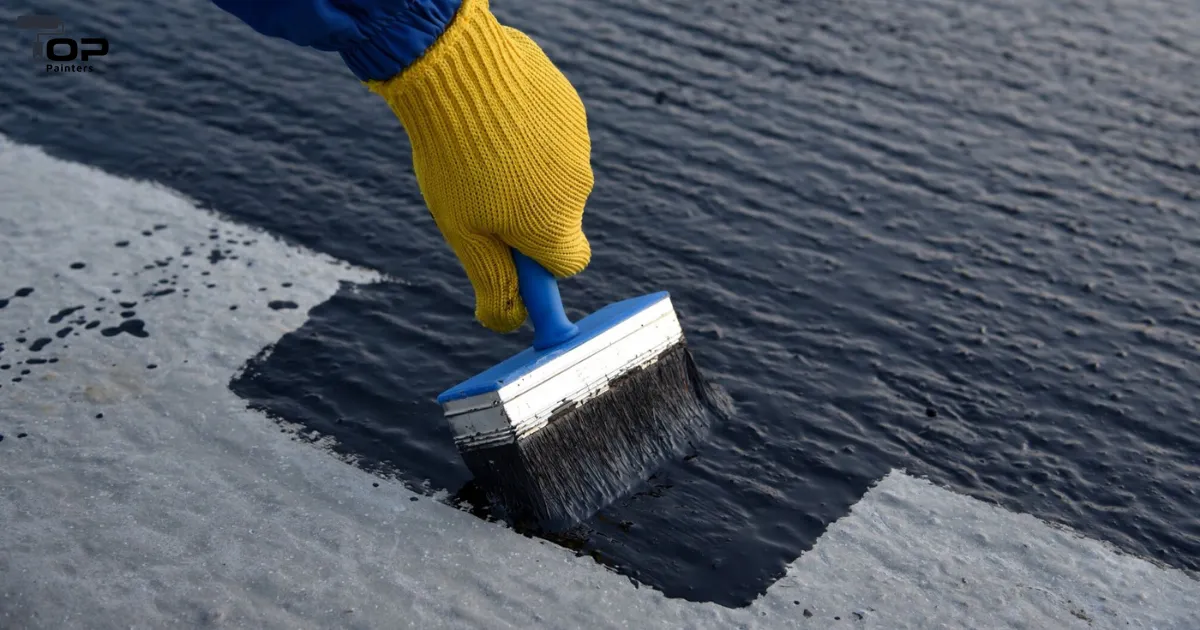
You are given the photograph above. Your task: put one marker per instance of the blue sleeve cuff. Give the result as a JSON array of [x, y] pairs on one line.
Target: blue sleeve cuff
[[376, 38], [393, 41]]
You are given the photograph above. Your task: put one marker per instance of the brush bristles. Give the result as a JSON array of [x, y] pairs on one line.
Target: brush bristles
[[595, 453]]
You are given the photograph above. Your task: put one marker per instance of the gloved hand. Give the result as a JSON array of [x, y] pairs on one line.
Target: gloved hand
[[499, 136], [501, 152]]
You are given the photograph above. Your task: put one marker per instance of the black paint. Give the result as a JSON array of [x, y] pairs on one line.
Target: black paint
[[78, 265], [39, 343], [282, 304], [135, 327], [61, 315], [63, 332], [23, 292]]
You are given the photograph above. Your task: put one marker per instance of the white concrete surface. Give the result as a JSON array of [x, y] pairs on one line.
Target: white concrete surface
[[180, 508]]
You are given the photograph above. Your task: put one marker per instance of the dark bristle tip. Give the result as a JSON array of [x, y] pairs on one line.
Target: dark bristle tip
[[592, 454]]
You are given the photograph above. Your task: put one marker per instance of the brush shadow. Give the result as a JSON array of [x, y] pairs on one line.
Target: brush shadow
[[720, 525]]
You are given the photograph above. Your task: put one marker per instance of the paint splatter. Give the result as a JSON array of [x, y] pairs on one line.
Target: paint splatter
[[135, 327], [23, 292], [61, 315], [78, 265], [39, 343], [279, 305]]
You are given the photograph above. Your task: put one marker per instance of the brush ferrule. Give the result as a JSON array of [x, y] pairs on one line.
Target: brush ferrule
[[518, 407]]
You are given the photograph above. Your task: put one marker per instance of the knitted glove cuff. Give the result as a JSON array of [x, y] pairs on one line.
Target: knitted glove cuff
[[472, 53], [392, 42]]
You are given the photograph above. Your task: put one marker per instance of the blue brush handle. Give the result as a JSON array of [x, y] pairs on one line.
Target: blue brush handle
[[539, 291]]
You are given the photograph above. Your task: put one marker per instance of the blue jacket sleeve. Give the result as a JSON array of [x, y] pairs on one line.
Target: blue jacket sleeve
[[376, 38]]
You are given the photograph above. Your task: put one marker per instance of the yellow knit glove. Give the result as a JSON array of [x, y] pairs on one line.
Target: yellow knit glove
[[501, 152]]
